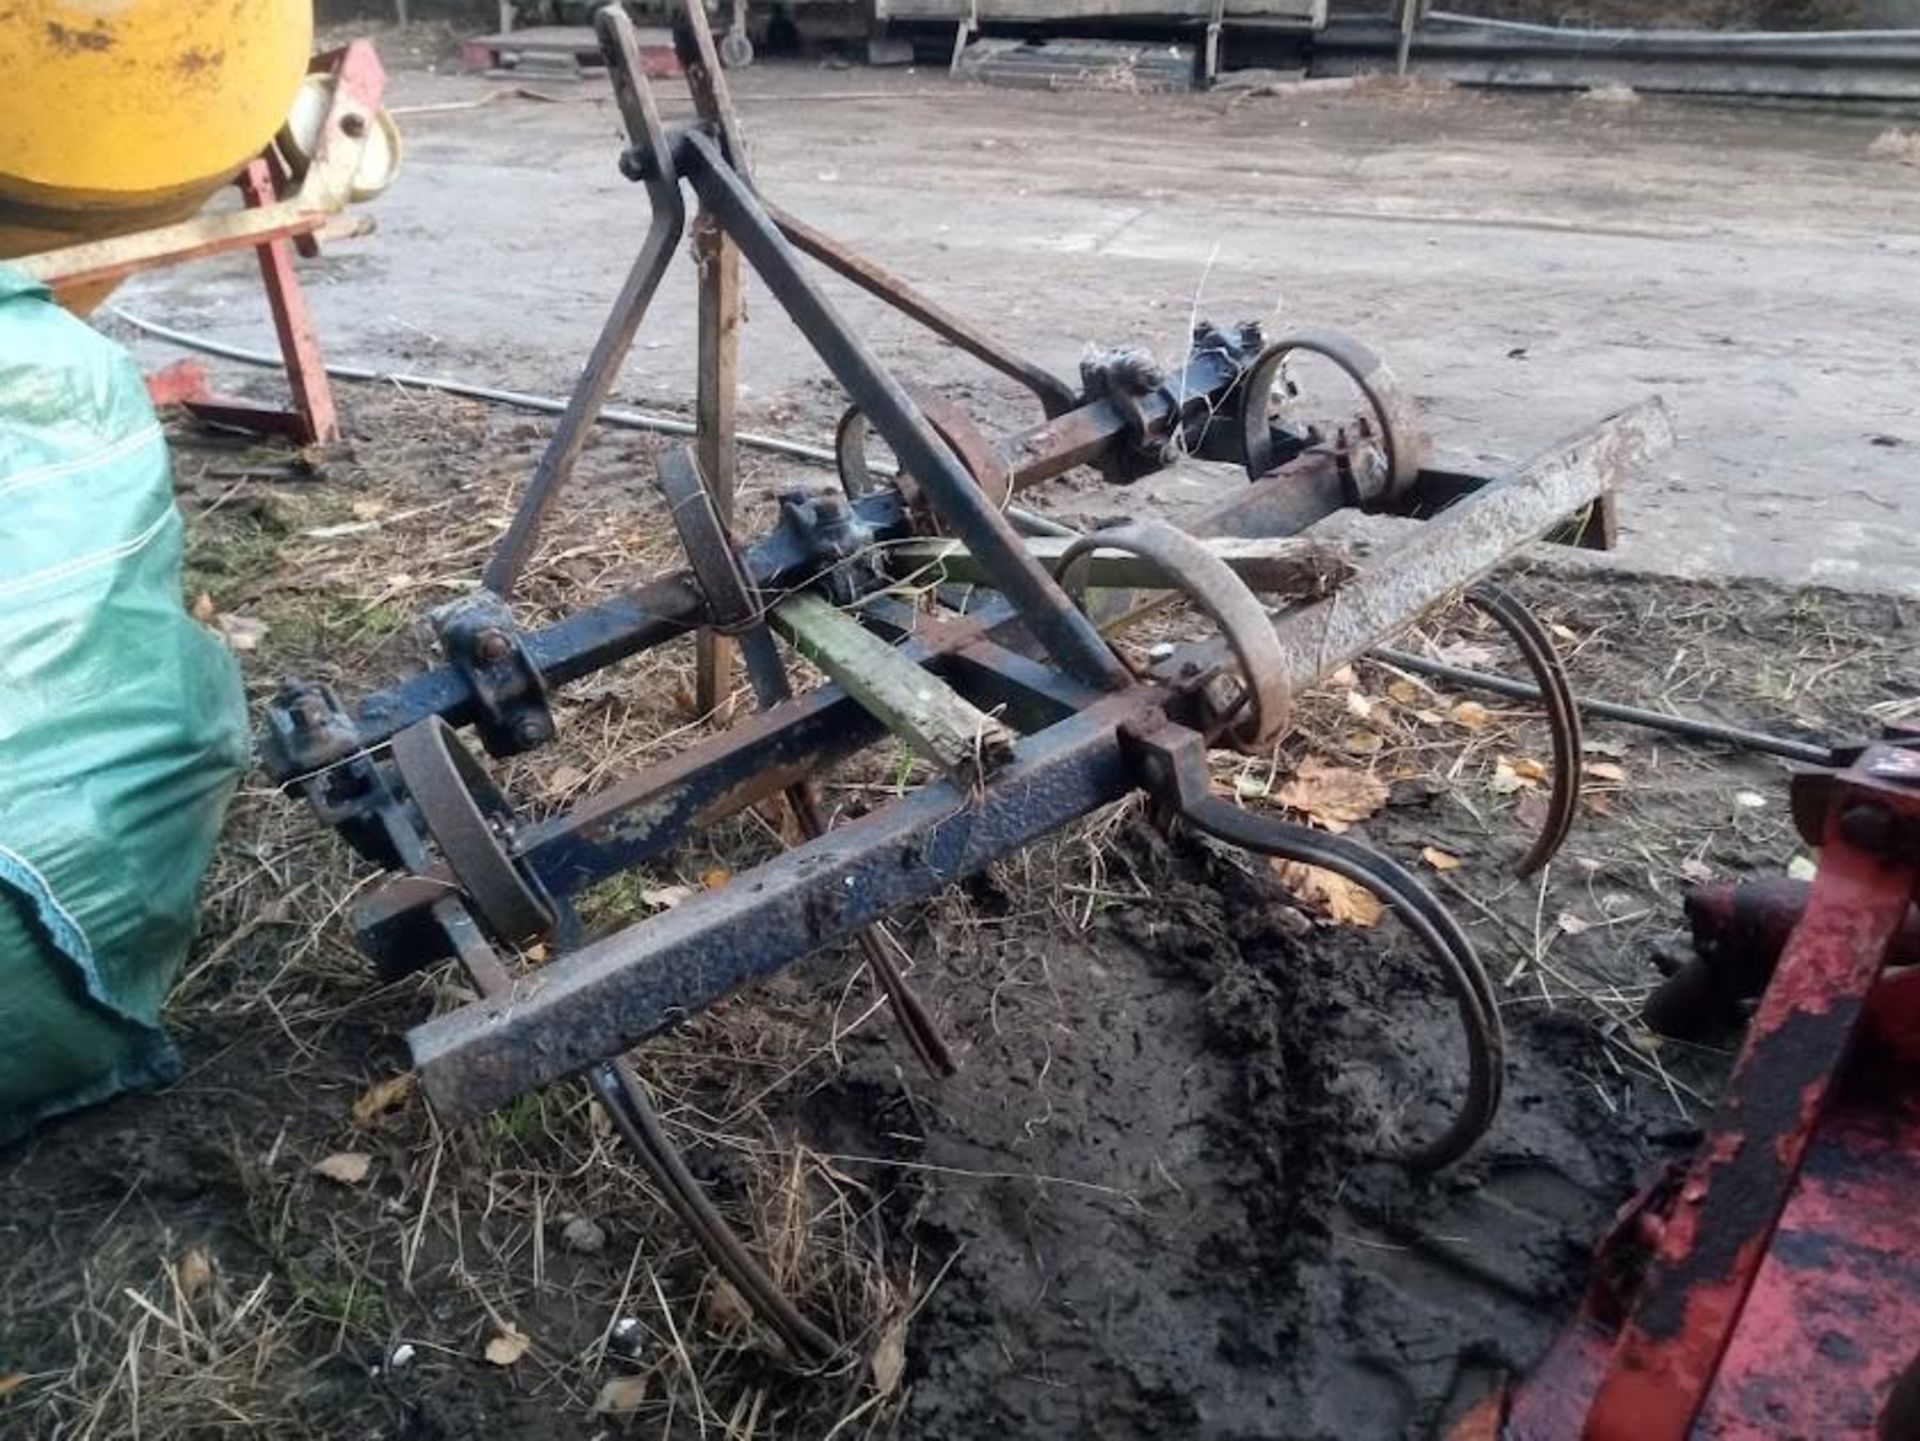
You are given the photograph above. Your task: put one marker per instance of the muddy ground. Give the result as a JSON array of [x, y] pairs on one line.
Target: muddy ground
[[1154, 1200]]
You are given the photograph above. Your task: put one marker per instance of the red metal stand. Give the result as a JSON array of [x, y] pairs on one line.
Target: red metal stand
[[1771, 1287], [313, 420]]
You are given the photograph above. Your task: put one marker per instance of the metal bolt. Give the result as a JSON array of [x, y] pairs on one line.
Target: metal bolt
[[493, 646], [310, 712], [531, 730], [1870, 827]]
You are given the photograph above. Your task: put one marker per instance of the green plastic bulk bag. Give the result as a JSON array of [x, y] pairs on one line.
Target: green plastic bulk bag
[[122, 722]]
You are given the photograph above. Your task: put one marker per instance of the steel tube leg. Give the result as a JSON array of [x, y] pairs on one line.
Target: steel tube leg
[[596, 381]]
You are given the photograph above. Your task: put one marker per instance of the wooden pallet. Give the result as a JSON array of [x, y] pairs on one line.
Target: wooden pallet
[[564, 49]]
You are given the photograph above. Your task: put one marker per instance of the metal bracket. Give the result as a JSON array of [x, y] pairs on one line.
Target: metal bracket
[[509, 695], [837, 540]]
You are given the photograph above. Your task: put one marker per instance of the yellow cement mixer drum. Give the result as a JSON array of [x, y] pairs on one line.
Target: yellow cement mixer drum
[[120, 114]]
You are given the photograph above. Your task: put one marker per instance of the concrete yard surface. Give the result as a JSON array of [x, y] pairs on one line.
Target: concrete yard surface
[[1528, 263]]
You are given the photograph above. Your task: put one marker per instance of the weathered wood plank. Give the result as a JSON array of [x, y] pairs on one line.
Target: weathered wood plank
[[965, 742], [718, 339]]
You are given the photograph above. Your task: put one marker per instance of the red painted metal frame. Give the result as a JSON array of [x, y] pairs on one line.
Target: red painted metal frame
[[1771, 1287], [314, 420], [358, 78]]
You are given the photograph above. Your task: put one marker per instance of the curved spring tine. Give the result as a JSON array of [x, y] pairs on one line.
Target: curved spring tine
[[1563, 716], [1181, 780], [625, 1099]]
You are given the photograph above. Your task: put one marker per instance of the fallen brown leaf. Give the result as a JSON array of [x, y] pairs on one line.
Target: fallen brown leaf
[[1358, 706], [506, 1348], [1335, 796], [240, 632], [1404, 691], [1605, 771], [11, 1382], [583, 1234], [890, 1357], [1365, 743], [1506, 780], [1469, 653], [381, 1097], [621, 1395], [1529, 769], [564, 780], [1340, 900], [726, 1308], [665, 898], [194, 1273], [716, 878], [349, 1168], [1471, 714], [202, 608], [1439, 859]]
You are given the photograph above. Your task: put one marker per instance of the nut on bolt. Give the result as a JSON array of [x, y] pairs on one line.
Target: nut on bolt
[[493, 646], [531, 730]]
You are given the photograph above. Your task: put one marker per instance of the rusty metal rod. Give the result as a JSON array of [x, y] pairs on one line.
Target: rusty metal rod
[[1792, 750], [1654, 720]]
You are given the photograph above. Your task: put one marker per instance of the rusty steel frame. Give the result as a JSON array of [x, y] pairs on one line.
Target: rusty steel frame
[[1088, 728], [617, 992], [1769, 1286]]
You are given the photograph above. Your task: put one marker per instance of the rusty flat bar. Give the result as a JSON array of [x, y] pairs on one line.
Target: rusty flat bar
[[1442, 556], [1055, 395], [615, 993]]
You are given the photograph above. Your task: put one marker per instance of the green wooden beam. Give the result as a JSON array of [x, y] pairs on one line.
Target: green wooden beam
[[920, 708]]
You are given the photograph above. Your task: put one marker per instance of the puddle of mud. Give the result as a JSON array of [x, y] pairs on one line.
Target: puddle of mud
[[1157, 1191]]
